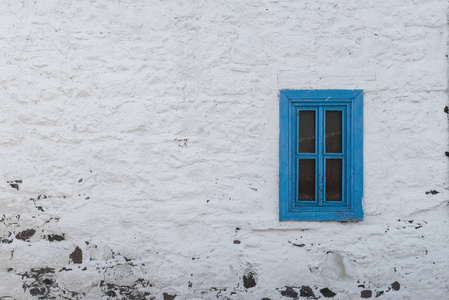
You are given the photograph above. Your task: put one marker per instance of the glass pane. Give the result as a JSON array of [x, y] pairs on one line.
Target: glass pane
[[334, 180], [306, 180], [306, 135], [333, 132]]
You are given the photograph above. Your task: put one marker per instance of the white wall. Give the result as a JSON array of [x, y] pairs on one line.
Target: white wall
[[152, 130]]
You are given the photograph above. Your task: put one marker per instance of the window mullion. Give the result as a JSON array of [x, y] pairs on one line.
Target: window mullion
[[320, 157]]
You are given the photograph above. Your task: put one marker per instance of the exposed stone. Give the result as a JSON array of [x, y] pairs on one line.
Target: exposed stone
[[306, 291], [169, 297], [366, 294], [38, 291], [327, 293], [77, 256], [395, 286], [26, 234], [289, 292], [55, 237], [249, 280]]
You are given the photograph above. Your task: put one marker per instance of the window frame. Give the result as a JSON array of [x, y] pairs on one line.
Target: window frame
[[351, 104]]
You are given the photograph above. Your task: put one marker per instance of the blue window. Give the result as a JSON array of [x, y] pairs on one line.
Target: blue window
[[321, 155]]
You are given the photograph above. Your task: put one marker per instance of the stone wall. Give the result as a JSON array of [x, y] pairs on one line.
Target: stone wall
[[139, 149]]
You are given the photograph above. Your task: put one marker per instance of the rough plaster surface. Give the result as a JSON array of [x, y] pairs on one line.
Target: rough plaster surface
[[139, 146]]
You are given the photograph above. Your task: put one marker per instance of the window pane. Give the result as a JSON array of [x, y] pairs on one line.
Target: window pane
[[334, 180], [333, 132], [306, 135], [306, 180]]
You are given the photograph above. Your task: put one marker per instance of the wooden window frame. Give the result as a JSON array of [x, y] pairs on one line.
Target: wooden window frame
[[350, 102]]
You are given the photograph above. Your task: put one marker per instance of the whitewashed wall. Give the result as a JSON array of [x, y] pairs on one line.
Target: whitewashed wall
[[139, 149]]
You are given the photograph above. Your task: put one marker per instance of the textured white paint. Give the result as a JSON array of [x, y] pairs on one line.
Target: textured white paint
[[151, 127]]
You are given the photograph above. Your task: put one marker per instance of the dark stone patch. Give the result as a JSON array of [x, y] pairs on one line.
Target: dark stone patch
[[134, 292], [249, 281], [55, 237], [39, 207], [14, 186], [5, 241], [81, 180], [77, 256], [395, 286], [289, 292], [42, 283], [432, 192], [38, 291], [266, 298], [379, 293], [38, 282], [14, 183], [26, 234], [236, 242], [298, 245], [366, 294], [306, 291], [144, 283], [168, 297], [327, 293]]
